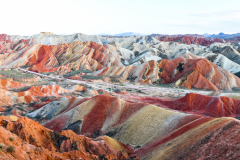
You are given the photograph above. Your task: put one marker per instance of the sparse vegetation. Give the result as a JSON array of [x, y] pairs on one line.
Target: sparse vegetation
[[10, 149], [11, 139], [138, 146], [16, 74], [92, 77], [235, 97], [140, 91]]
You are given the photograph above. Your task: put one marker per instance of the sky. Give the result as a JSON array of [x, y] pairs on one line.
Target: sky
[[28, 17]]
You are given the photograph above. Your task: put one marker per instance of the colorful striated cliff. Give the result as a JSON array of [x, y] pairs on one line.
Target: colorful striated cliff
[[197, 73], [62, 57], [92, 97], [212, 106], [156, 132]]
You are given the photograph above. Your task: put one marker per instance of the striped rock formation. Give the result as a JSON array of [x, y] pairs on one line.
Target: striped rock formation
[[31, 93], [7, 45], [195, 104], [197, 73], [6, 84], [62, 57], [231, 51], [109, 59], [160, 133], [217, 59], [193, 72], [195, 40], [144, 73], [27, 139]]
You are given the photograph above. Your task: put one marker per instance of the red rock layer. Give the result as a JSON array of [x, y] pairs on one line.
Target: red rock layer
[[190, 73], [192, 40], [31, 93], [7, 46], [6, 84], [198, 104], [62, 57], [161, 134], [102, 108], [197, 73]]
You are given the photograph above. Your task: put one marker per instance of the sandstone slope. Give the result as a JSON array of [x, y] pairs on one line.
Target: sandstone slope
[[159, 132]]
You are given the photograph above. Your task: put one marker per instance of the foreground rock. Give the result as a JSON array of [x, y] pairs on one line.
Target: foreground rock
[[26, 139], [157, 132]]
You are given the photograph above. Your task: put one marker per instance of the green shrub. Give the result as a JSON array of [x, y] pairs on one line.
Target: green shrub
[[10, 149], [138, 146]]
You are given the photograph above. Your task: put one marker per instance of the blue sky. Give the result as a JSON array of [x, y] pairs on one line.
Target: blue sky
[[27, 17]]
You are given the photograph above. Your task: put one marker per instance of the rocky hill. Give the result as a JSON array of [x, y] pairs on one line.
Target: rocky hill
[[92, 97]]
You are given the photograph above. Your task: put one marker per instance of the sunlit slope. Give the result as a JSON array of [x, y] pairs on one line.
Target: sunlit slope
[[160, 132]]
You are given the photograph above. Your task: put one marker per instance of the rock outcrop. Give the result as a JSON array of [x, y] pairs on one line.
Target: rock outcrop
[[197, 73], [212, 106], [158, 133], [26, 139]]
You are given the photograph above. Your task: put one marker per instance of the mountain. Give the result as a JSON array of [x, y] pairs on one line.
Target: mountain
[[153, 129], [119, 97], [126, 34], [137, 58], [222, 35], [27, 139], [178, 35], [207, 35], [129, 34]]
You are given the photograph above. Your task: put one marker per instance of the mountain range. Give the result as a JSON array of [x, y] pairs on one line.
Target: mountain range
[[124, 34], [221, 35], [119, 97]]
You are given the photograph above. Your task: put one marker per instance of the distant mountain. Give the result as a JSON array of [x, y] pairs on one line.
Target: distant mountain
[[207, 35], [129, 34], [221, 35], [178, 35], [124, 34]]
